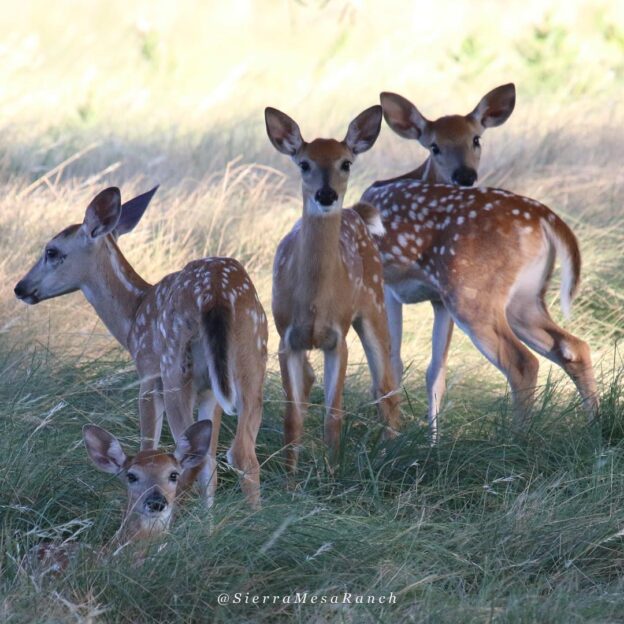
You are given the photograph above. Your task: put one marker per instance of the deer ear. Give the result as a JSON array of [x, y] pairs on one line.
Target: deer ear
[[132, 211], [496, 106], [402, 116], [194, 444], [103, 449], [283, 131], [364, 130], [103, 212]]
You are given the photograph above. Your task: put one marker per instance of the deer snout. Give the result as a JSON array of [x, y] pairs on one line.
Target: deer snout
[[25, 292], [156, 502], [326, 196], [464, 176]]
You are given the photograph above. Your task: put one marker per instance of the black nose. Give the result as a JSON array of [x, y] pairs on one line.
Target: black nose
[[20, 290], [464, 176], [326, 196], [156, 502]]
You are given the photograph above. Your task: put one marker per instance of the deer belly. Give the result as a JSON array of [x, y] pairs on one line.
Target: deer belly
[[412, 290]]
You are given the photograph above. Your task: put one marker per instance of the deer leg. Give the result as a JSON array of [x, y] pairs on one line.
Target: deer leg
[[151, 408], [394, 312], [436, 372], [297, 379], [372, 330], [209, 409], [532, 323], [492, 335], [242, 454], [334, 370]]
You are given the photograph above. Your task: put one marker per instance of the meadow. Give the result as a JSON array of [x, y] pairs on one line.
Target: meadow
[[487, 526]]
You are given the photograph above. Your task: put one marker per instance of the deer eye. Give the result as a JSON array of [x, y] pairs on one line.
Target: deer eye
[[132, 478], [304, 165], [476, 141], [173, 477], [51, 253], [346, 165], [434, 148]]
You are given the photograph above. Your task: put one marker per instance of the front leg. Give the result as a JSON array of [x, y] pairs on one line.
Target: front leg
[[333, 380], [394, 312], [151, 408]]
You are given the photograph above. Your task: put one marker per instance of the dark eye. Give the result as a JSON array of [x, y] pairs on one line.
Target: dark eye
[[174, 476], [304, 165], [434, 148], [132, 478], [346, 165], [51, 253], [476, 141]]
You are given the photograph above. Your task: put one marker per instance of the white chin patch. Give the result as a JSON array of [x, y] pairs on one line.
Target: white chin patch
[[317, 209]]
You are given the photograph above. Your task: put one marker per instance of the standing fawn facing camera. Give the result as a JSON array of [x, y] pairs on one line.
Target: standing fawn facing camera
[[152, 477], [198, 334], [327, 276]]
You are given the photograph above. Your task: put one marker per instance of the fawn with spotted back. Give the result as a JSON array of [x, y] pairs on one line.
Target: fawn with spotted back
[[200, 333], [454, 145], [327, 276], [483, 258], [152, 477]]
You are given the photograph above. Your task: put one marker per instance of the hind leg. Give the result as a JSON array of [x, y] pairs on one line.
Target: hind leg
[[210, 410], [532, 323], [297, 380], [491, 334]]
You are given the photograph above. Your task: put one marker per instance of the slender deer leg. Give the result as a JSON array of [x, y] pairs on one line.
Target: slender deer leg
[[242, 454], [335, 368], [373, 333], [492, 335], [436, 372], [296, 379], [394, 311], [151, 408], [532, 323], [210, 410]]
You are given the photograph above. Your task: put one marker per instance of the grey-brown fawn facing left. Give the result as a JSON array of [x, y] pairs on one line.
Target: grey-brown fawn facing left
[[152, 478], [327, 276], [198, 334]]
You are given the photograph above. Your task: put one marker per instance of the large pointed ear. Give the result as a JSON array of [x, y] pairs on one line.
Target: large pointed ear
[[103, 212], [402, 116], [283, 131], [364, 130], [496, 106], [132, 211], [103, 449], [194, 444]]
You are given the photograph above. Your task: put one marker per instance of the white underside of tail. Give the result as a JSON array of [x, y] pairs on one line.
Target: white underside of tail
[[567, 270], [227, 403]]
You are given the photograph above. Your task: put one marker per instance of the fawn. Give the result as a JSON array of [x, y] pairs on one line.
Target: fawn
[[327, 276], [200, 333]]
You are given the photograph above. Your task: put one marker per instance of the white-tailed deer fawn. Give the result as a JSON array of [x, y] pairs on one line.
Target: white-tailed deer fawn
[[327, 276], [454, 143], [200, 333], [484, 257], [152, 477]]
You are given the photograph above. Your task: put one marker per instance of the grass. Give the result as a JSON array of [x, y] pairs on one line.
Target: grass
[[488, 526]]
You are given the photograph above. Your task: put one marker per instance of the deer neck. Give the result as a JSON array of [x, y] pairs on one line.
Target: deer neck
[[426, 172], [115, 291], [317, 254]]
